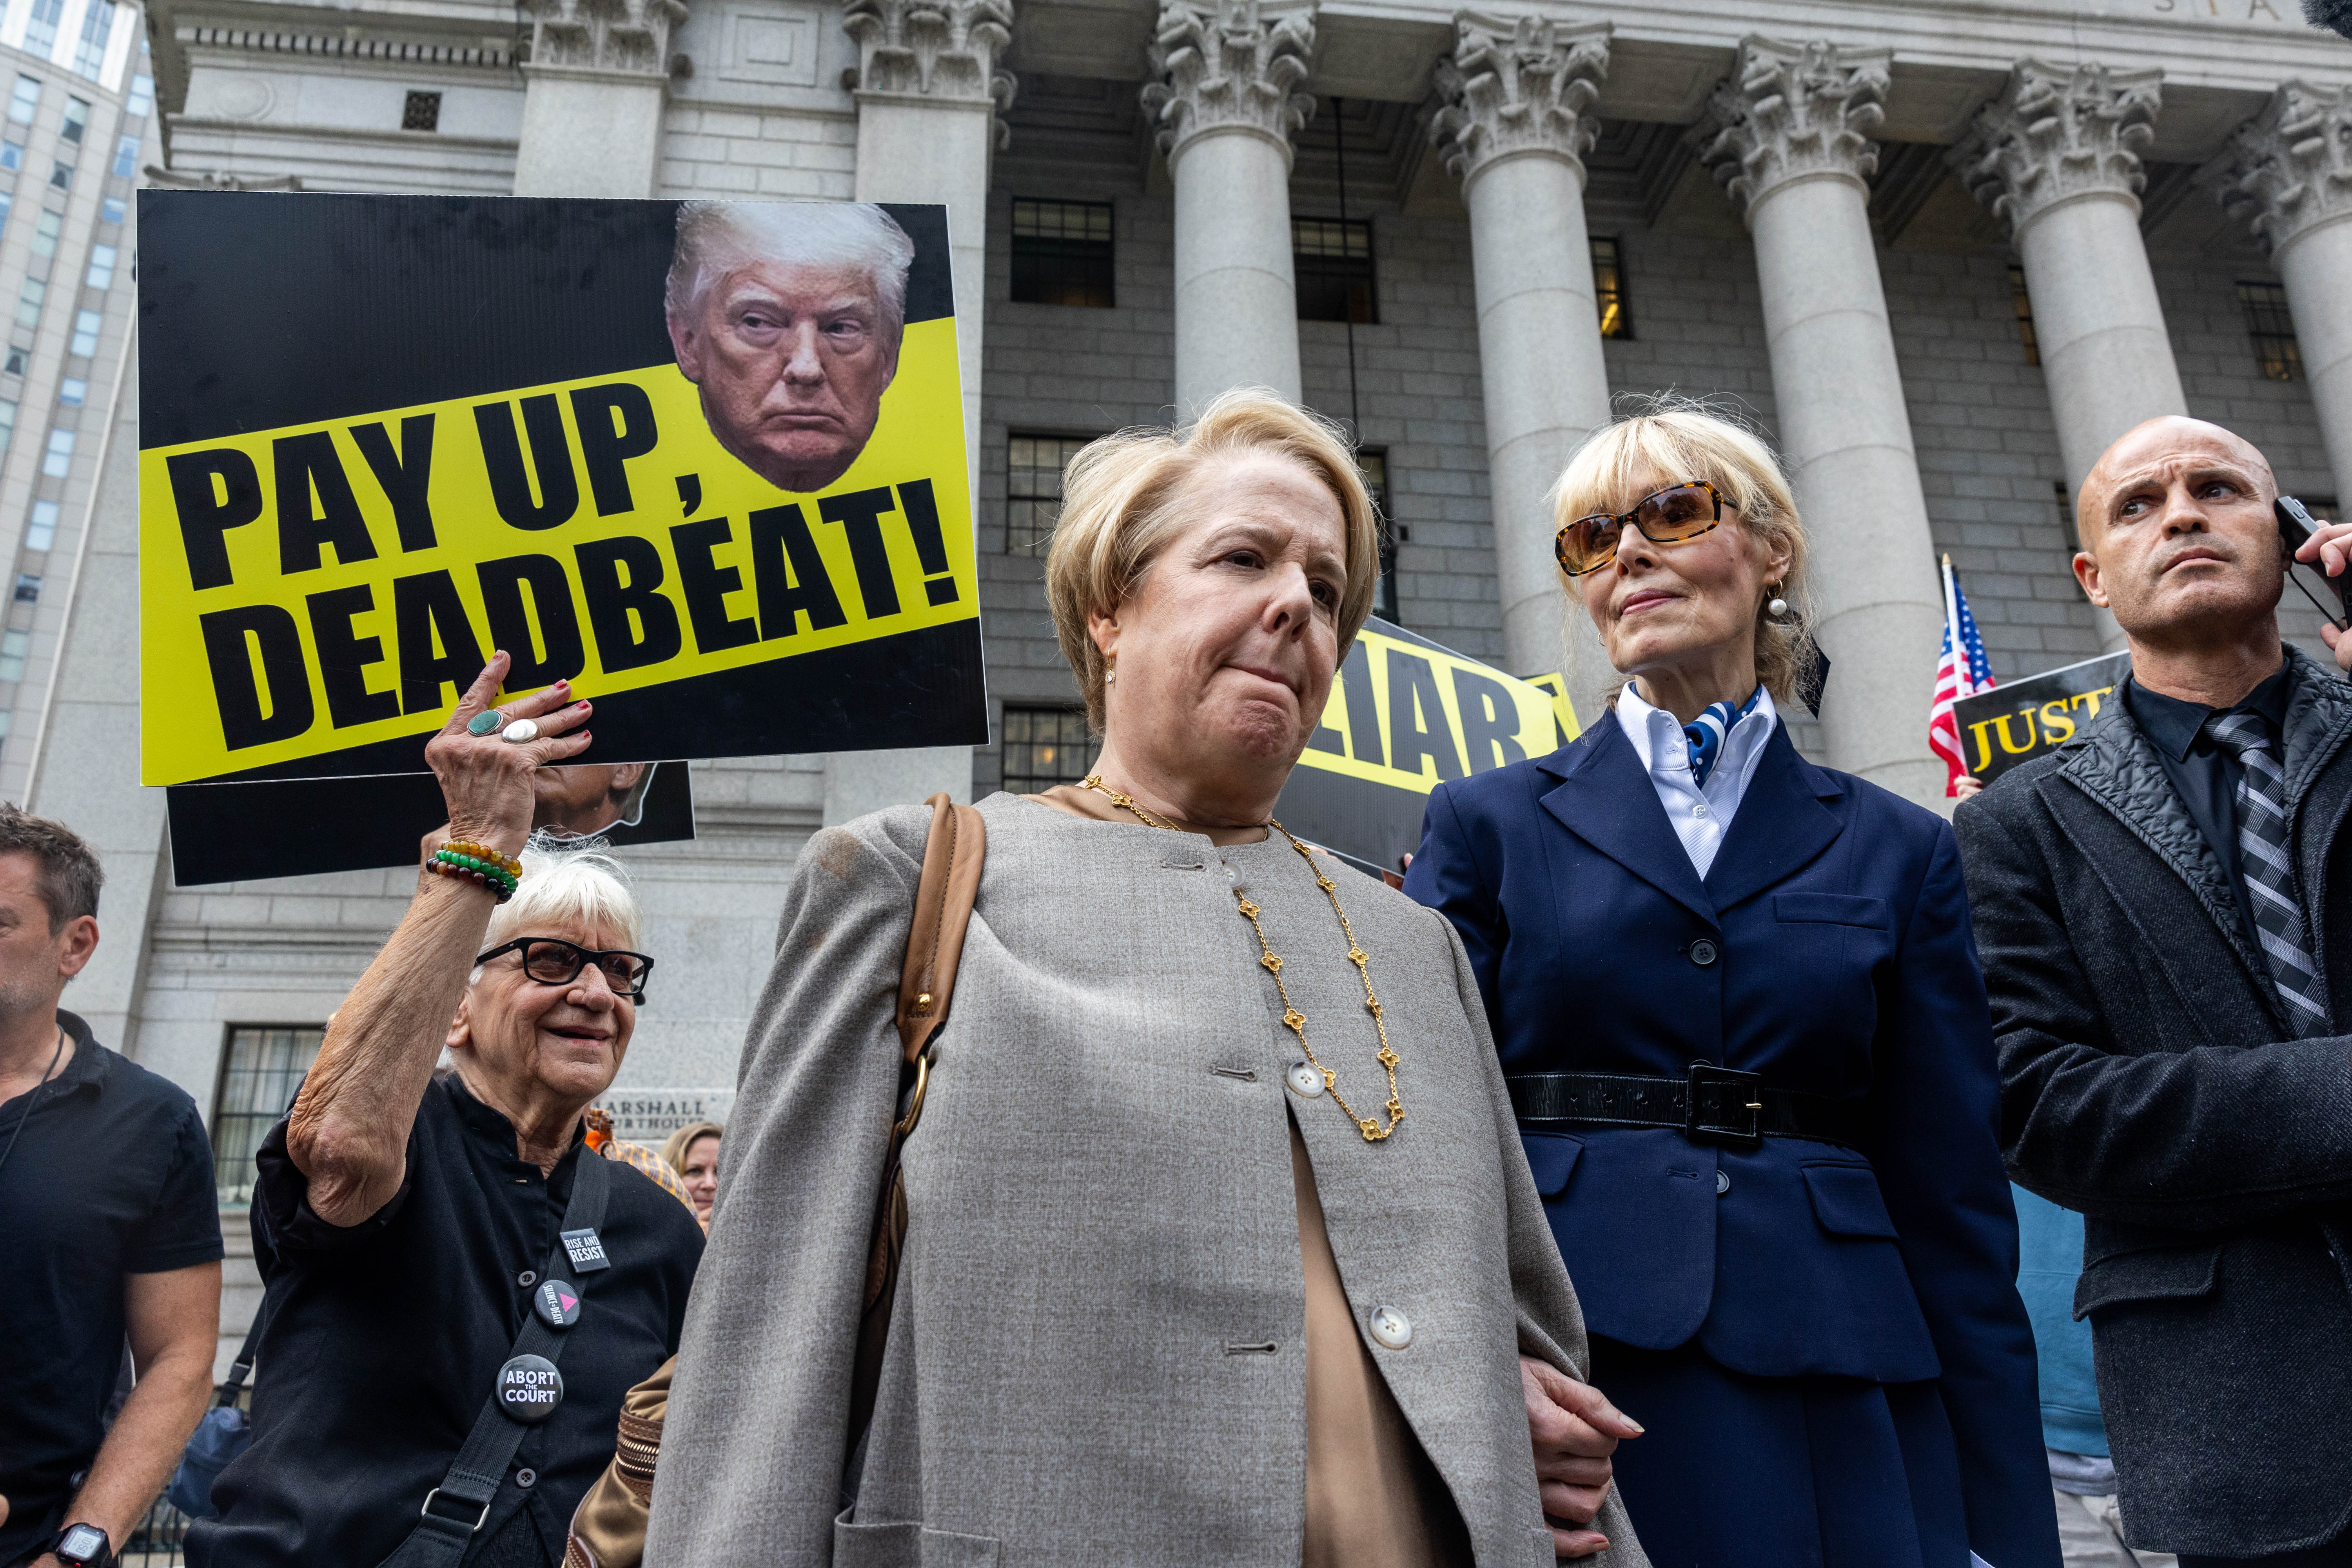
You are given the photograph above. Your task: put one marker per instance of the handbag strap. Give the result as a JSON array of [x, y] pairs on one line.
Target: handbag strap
[[944, 896], [440, 1540], [242, 1367]]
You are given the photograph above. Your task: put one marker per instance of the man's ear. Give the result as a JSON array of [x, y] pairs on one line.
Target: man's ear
[[625, 776], [687, 344], [81, 942], [2087, 572], [461, 1026]]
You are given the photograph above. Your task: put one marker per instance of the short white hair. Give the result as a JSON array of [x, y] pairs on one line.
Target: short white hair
[[715, 238], [563, 887]]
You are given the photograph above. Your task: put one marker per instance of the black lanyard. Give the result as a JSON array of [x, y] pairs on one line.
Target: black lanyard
[[32, 1095]]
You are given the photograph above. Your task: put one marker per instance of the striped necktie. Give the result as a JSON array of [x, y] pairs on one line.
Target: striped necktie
[[2269, 870], [1706, 734]]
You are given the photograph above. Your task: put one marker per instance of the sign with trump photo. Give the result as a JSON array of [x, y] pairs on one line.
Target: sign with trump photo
[[704, 459]]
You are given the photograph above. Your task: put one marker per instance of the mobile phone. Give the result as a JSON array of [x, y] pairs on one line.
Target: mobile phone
[[2295, 525]]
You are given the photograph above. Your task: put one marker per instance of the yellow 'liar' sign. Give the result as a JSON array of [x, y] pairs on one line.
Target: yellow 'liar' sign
[[312, 590], [1409, 714]]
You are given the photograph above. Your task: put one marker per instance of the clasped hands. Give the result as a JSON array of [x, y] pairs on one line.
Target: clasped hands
[[1575, 1430]]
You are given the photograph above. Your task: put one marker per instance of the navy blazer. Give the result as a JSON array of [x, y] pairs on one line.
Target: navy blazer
[[1845, 968]]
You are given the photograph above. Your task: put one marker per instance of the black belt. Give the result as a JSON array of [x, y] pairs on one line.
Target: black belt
[[1707, 1105]]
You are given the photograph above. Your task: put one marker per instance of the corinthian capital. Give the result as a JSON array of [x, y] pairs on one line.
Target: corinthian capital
[[2056, 133], [1792, 111], [1521, 85], [1230, 63], [932, 49], [2289, 169], [629, 36]]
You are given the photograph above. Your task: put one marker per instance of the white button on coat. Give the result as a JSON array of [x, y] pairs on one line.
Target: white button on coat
[[1305, 1081], [1391, 1328]]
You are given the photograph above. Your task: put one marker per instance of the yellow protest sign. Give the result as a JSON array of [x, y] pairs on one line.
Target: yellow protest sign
[[1405, 715], [316, 593]]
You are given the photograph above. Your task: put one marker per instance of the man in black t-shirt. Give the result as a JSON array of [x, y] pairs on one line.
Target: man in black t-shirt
[[113, 1232]]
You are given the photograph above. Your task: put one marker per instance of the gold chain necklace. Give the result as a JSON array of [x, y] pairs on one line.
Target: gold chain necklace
[[1271, 962]]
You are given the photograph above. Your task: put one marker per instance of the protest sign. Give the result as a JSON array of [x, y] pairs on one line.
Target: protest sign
[[705, 461], [2017, 722], [380, 821], [1405, 714]]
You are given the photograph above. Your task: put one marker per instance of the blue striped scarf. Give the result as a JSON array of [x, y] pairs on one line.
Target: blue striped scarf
[[1707, 733]]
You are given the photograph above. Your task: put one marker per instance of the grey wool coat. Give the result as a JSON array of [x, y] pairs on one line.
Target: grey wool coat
[[1096, 1356]]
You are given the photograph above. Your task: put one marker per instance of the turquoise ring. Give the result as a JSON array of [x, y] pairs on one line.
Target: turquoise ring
[[488, 721]]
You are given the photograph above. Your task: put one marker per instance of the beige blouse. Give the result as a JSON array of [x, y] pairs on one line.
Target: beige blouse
[[1373, 1500]]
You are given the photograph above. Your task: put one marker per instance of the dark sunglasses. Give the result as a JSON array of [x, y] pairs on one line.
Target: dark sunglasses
[[1669, 516], [552, 961]]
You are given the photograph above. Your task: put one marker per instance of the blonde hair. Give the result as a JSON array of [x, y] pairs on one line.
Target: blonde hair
[[564, 887], [1672, 439], [1123, 503], [674, 1147]]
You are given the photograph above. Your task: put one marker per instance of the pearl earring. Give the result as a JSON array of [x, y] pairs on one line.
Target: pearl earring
[[1110, 671], [1779, 607]]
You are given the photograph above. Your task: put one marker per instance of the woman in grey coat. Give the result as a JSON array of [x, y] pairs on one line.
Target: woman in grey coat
[[1212, 1258]]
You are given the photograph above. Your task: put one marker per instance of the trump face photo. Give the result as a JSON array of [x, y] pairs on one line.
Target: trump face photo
[[787, 317]]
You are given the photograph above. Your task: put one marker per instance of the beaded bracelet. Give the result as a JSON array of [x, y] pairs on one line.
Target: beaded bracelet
[[473, 868], [507, 863]]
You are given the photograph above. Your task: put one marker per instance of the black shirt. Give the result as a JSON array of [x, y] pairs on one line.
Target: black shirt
[[384, 1338], [2203, 771], [112, 1175]]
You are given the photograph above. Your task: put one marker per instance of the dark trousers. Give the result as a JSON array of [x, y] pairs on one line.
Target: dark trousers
[[2336, 1553]]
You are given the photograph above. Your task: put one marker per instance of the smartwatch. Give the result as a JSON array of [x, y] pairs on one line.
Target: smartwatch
[[83, 1546]]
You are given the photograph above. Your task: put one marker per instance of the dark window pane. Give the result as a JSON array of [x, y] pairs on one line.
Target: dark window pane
[[2024, 304], [1033, 490], [421, 112], [1332, 262], [2273, 330], [1609, 289], [262, 1069], [1044, 747], [1062, 253]]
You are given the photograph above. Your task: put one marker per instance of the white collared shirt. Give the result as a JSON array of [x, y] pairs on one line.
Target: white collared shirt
[[1700, 817]]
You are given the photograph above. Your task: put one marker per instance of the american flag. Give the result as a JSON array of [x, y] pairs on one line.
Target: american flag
[[1961, 673]]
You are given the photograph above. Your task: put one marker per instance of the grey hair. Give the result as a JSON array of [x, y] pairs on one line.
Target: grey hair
[[566, 887], [715, 238]]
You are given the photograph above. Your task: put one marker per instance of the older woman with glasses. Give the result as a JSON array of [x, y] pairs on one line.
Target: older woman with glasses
[[1220, 1248], [450, 1270], [1743, 1028]]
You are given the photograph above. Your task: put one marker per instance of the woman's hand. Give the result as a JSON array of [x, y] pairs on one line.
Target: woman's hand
[[485, 779], [1967, 787], [2329, 548], [1574, 1430]]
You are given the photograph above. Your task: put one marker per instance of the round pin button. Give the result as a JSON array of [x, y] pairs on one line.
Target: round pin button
[[1702, 953], [1305, 1081], [557, 1302], [1391, 1328], [529, 1388]]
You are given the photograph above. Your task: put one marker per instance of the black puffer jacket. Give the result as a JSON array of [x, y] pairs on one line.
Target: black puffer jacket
[[2149, 1081]]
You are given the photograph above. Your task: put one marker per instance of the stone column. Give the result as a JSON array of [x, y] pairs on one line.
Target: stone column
[[2056, 158], [1793, 149], [2290, 174], [928, 90], [1226, 110], [1516, 124], [596, 83]]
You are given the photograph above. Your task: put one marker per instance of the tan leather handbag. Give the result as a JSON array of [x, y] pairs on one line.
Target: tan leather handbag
[[608, 1530]]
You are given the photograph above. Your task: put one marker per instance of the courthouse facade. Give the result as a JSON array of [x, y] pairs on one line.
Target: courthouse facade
[[1941, 254]]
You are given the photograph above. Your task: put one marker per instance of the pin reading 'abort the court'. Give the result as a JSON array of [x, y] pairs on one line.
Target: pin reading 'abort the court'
[[587, 1250], [529, 1388], [557, 1302]]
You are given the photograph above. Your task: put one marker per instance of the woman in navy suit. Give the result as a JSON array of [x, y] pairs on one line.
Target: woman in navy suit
[[1739, 1006]]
